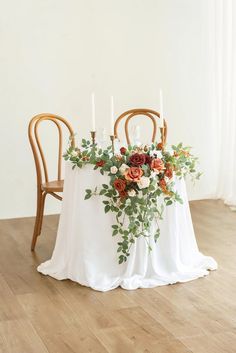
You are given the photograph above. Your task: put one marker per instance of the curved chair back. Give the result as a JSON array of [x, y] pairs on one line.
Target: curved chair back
[[37, 147], [129, 114]]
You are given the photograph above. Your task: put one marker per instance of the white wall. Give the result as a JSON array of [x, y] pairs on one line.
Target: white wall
[[55, 52]]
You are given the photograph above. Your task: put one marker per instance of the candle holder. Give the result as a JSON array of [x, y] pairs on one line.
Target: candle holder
[[93, 136], [112, 137], [162, 136]]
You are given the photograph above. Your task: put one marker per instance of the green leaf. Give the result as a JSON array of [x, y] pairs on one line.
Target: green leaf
[[107, 208], [156, 235]]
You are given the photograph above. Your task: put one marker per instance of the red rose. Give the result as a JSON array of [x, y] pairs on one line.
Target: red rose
[[133, 174], [162, 184], [123, 194], [100, 163], [148, 159], [159, 146], [119, 185], [123, 150], [157, 165], [169, 173], [137, 159]]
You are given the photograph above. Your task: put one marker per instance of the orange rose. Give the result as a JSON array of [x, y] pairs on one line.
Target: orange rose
[[123, 194], [119, 185], [185, 153], [133, 174], [169, 173], [157, 165], [159, 146], [162, 184]]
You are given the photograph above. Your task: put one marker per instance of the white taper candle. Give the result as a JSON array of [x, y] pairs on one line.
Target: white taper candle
[[112, 115], [161, 110], [93, 112]]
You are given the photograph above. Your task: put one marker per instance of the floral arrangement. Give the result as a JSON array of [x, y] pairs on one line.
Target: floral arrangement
[[141, 184]]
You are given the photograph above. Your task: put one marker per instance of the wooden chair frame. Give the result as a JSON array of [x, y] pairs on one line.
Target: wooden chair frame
[[129, 114], [46, 187]]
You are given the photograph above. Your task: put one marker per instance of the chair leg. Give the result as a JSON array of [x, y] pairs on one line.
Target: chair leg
[[41, 213], [37, 220]]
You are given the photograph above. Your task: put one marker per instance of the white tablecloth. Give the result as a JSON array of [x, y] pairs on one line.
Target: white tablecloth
[[86, 252]]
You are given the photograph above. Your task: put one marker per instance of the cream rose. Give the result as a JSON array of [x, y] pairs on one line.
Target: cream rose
[[74, 153], [123, 168], [144, 182], [131, 193], [113, 170]]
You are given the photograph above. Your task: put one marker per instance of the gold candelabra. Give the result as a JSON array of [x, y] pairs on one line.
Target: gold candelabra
[[112, 137], [93, 136], [162, 136]]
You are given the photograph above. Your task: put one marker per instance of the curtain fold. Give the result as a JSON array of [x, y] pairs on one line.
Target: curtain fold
[[224, 100]]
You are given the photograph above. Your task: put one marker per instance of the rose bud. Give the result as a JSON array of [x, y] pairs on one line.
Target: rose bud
[[123, 150]]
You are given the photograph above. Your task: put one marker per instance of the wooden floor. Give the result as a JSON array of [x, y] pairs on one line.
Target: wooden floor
[[39, 314]]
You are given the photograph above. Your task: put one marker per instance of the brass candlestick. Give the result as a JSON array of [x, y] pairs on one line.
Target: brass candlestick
[[93, 136], [162, 136], [112, 137]]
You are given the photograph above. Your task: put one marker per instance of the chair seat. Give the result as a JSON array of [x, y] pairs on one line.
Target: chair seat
[[53, 186]]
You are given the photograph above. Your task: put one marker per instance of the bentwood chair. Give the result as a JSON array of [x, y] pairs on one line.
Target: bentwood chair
[[44, 185], [128, 115]]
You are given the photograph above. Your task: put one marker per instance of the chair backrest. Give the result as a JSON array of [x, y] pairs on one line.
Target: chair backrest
[[39, 157], [129, 114]]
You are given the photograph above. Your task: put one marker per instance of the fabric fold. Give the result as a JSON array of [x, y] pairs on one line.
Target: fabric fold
[[85, 251]]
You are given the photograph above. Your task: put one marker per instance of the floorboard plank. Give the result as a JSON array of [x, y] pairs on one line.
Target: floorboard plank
[[41, 315]]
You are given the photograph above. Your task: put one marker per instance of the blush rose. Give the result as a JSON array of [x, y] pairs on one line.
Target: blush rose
[[157, 165]]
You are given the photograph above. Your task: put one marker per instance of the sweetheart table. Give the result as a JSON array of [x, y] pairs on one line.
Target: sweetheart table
[[85, 251]]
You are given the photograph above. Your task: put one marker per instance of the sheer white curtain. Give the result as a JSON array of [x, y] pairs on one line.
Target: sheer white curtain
[[223, 39]]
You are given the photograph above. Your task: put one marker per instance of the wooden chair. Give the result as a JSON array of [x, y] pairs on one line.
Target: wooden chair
[[151, 114], [44, 186]]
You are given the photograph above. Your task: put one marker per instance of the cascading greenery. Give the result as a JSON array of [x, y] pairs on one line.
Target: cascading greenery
[[141, 184]]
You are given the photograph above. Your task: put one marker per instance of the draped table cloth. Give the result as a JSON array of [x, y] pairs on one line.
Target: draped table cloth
[[86, 252]]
